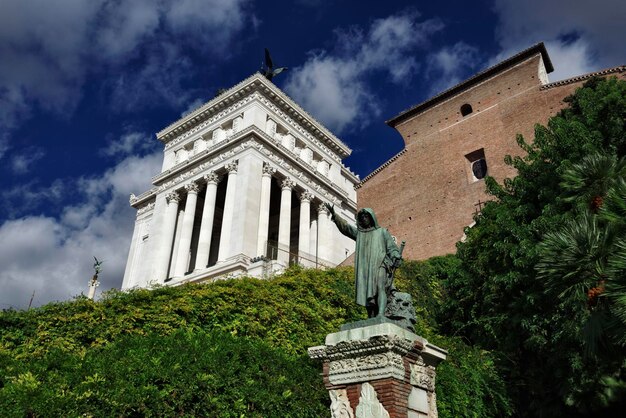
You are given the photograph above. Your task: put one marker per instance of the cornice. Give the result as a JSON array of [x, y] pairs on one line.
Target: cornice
[[136, 201], [289, 121], [381, 168], [254, 83], [223, 114], [608, 71]]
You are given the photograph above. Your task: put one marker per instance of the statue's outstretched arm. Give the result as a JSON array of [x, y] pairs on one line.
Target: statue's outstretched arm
[[344, 227]]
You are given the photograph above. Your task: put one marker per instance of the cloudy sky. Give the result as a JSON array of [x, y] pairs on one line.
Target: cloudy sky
[[84, 85]]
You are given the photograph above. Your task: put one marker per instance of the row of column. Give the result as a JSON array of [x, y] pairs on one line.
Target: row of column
[[182, 248], [284, 225]]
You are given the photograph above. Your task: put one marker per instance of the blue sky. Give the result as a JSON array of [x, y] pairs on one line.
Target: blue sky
[[84, 85]]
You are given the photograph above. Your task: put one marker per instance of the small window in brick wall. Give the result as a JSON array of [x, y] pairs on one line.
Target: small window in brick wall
[[466, 109], [477, 165]]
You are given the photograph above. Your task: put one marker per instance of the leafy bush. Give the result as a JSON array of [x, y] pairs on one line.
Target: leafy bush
[[230, 348], [182, 374]]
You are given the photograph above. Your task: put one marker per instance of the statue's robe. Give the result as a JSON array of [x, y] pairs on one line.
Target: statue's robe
[[374, 255]]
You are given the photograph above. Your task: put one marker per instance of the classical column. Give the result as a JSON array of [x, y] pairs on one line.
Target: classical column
[[206, 224], [313, 240], [323, 234], [264, 212], [229, 209], [167, 237], [304, 236], [182, 258], [175, 245], [284, 224]]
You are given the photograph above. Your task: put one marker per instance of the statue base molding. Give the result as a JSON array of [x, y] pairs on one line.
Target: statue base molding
[[379, 370]]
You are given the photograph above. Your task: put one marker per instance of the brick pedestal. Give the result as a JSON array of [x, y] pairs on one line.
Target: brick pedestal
[[381, 371]]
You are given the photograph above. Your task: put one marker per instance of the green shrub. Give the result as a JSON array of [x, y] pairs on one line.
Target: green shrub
[[182, 374], [229, 348]]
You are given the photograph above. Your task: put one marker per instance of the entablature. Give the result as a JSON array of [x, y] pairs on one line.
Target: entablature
[[252, 137]]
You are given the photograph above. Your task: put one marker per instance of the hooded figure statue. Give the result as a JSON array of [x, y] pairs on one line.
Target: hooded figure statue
[[376, 257]]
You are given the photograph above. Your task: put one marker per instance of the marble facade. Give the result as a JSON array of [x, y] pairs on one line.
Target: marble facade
[[241, 191]]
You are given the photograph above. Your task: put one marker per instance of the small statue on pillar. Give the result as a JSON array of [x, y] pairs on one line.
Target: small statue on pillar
[[93, 283]]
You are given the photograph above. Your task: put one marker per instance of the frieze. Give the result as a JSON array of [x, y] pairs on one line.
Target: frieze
[[146, 208], [376, 344], [274, 158], [368, 362]]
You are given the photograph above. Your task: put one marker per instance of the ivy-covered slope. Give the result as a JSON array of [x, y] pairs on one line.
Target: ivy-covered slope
[[230, 348]]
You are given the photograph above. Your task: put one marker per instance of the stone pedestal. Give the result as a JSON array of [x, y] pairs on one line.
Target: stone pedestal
[[379, 370]]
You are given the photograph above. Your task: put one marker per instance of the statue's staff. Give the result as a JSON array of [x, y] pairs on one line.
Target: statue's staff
[[395, 266]]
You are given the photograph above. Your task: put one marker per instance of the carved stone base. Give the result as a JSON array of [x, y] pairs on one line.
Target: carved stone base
[[379, 370]]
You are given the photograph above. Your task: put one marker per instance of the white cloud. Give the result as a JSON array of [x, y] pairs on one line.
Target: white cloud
[[450, 65], [192, 106], [49, 49], [22, 162], [32, 195], [53, 256], [128, 144], [581, 36], [332, 86]]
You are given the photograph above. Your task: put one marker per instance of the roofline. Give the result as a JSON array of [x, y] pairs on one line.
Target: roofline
[[255, 82], [539, 48], [582, 77]]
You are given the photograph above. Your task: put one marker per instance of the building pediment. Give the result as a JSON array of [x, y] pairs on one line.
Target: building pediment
[[259, 88]]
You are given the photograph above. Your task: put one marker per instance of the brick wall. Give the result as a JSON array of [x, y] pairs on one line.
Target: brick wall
[[427, 195]]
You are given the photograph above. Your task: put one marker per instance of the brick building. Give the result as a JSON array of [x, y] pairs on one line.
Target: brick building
[[453, 140]]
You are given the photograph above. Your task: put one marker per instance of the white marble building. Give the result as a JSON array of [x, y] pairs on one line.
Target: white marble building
[[241, 191]]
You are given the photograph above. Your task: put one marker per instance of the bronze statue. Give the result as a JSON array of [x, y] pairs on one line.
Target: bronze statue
[[268, 70], [376, 258]]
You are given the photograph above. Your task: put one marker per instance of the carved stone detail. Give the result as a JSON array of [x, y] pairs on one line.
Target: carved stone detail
[[322, 209], [310, 180], [146, 208], [288, 184], [268, 170], [340, 404], [208, 122], [172, 197], [361, 360], [370, 367], [423, 375], [306, 196], [211, 177], [232, 166], [192, 188], [369, 406], [299, 128]]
